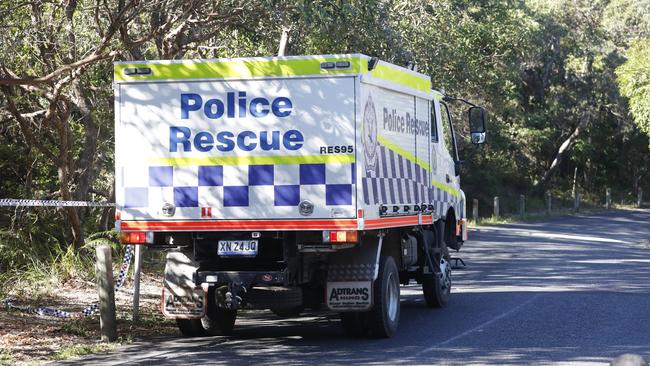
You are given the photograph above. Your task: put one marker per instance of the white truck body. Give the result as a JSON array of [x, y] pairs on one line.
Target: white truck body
[[242, 143], [285, 182]]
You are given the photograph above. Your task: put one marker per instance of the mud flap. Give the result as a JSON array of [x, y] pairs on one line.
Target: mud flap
[[183, 302], [181, 297], [350, 276]]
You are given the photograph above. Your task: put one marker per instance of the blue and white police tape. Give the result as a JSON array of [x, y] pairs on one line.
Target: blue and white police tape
[[51, 203], [87, 311]]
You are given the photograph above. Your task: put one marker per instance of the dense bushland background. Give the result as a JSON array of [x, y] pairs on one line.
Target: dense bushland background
[[566, 84]]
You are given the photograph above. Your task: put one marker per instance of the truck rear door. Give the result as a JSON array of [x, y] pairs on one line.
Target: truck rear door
[[281, 148]]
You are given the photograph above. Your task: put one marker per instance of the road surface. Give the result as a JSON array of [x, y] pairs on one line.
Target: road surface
[[569, 290]]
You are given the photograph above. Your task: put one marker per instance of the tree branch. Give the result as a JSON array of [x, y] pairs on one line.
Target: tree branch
[[24, 126]]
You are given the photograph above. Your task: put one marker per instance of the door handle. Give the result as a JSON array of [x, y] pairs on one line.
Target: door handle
[[448, 179]]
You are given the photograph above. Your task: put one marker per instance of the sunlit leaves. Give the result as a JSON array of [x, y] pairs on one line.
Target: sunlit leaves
[[634, 79]]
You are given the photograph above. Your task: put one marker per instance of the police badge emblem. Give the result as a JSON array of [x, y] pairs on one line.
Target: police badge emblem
[[369, 138]]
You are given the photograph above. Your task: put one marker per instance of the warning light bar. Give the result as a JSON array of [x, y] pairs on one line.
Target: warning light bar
[[140, 237], [336, 237]]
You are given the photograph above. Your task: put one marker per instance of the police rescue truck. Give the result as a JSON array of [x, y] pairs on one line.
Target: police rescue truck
[[288, 183]]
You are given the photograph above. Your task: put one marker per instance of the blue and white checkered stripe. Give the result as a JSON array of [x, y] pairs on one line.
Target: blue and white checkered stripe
[[240, 185], [441, 200], [398, 180], [90, 310]]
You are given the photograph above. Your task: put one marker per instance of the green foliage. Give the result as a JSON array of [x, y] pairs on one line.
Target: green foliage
[[627, 20], [538, 66], [83, 349], [37, 266], [6, 358], [634, 81], [45, 271]]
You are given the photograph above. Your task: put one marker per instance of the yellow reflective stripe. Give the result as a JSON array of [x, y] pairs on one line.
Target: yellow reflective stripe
[[449, 189], [386, 72], [243, 68], [405, 154], [408, 156], [254, 160]]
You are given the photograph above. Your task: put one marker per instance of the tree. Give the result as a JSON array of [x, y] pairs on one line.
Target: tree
[[55, 75], [634, 81]]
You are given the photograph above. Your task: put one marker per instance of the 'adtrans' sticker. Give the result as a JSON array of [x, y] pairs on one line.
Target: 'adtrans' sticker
[[349, 296], [183, 302]]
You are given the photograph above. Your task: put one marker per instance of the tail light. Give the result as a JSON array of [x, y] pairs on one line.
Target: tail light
[[336, 237], [138, 237]]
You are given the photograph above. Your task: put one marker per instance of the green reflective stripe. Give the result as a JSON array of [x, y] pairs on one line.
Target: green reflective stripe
[[405, 154], [449, 189], [189, 69], [254, 160], [408, 156], [385, 72]]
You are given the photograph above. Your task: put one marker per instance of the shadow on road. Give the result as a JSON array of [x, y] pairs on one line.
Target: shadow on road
[[571, 290]]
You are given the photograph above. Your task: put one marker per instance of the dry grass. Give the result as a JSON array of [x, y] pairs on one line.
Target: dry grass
[[32, 339]]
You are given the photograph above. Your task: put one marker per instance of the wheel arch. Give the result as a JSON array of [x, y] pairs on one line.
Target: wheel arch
[[450, 237]]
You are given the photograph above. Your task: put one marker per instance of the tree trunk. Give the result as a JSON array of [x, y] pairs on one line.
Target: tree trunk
[[564, 148], [108, 212], [71, 212]]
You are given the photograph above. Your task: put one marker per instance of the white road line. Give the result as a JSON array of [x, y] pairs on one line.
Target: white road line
[[483, 325], [548, 235]]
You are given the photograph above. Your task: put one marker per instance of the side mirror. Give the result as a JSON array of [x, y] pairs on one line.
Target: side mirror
[[477, 125]]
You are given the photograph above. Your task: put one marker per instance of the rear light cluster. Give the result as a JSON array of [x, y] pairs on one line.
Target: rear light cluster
[[336, 237], [140, 237]]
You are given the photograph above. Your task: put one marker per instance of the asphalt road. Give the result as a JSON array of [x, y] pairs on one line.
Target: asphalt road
[[570, 290]]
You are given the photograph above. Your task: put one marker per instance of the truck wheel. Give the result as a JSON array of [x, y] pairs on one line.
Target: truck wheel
[[383, 319], [190, 327], [217, 321], [436, 287]]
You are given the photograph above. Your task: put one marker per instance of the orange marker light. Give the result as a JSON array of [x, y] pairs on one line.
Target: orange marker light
[[459, 226], [342, 237], [140, 237]]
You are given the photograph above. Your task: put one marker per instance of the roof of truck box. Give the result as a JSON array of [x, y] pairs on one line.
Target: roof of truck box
[[261, 67]]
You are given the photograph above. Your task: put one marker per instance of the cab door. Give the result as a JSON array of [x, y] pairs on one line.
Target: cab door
[[442, 163]]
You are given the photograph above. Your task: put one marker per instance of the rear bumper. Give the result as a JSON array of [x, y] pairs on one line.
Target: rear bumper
[[240, 277], [276, 225], [244, 225]]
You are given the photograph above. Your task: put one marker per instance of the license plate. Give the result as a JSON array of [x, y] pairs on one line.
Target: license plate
[[237, 247]]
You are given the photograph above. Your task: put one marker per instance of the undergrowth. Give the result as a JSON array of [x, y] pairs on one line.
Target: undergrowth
[[83, 349], [36, 270]]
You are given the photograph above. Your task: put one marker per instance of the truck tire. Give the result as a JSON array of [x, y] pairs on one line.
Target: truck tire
[[383, 319], [216, 321], [219, 321], [190, 327], [436, 287], [275, 297], [436, 292]]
